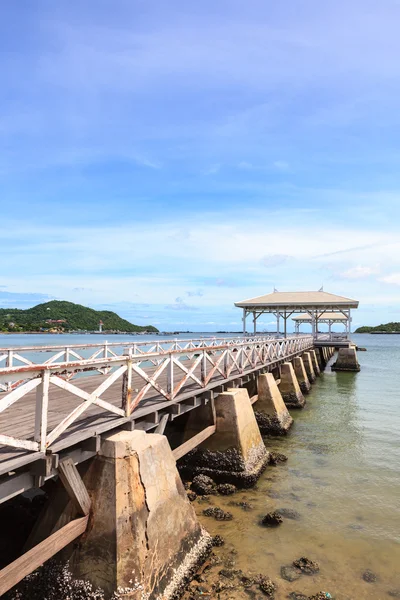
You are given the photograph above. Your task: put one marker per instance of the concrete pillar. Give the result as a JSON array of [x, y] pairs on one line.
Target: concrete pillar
[[315, 364], [301, 375], [320, 359], [236, 452], [346, 360], [270, 410], [308, 365], [289, 387], [144, 535]]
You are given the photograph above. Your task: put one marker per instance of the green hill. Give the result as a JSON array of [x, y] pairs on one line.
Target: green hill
[[71, 316], [386, 328]]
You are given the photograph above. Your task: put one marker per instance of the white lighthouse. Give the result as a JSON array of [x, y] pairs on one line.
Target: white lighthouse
[[100, 326]]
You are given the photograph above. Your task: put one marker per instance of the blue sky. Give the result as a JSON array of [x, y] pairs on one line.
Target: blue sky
[[166, 159]]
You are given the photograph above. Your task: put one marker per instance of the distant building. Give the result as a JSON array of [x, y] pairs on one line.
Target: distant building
[[55, 321]]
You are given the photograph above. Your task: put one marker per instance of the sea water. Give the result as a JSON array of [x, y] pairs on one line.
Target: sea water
[[342, 479]]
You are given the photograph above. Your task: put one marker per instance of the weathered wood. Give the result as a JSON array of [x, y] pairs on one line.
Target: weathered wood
[[74, 485], [162, 424], [193, 442], [18, 393], [17, 443], [31, 560], [41, 414]]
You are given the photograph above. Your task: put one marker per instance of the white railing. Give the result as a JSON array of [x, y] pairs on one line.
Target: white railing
[[31, 355], [178, 371]]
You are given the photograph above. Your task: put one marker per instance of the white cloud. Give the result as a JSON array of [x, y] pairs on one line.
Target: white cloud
[[274, 260], [394, 279], [359, 272]]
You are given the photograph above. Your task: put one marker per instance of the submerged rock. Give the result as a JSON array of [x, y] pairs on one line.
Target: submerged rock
[[306, 565], [369, 576], [290, 573], [226, 489], [272, 520], [394, 593], [289, 513], [297, 596], [203, 485], [217, 513], [277, 457], [191, 495], [217, 540], [320, 596], [266, 586], [242, 504]]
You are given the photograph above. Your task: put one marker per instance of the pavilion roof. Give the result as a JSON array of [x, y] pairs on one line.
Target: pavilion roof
[[298, 300]]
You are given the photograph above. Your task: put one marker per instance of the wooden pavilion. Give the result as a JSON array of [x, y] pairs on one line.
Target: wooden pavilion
[[285, 304]]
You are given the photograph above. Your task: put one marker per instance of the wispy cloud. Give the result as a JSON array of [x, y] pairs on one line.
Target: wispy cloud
[[359, 272]]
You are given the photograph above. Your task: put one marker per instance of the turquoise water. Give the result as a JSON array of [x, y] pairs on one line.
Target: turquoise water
[[343, 479]]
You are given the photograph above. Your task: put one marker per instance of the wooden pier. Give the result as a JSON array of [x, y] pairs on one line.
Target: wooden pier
[[83, 402]]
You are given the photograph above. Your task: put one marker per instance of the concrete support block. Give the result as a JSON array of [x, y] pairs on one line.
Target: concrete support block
[[236, 452], [289, 387], [301, 375], [346, 360], [315, 364], [319, 352], [271, 413], [308, 365], [144, 535]]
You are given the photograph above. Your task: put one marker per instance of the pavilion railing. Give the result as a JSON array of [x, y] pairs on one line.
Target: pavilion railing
[[170, 373]]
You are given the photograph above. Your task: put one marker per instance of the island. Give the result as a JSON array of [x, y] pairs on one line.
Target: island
[[59, 316], [384, 328]]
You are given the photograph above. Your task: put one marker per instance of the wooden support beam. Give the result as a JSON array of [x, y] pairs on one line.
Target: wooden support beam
[[162, 424], [31, 560], [74, 485], [193, 442]]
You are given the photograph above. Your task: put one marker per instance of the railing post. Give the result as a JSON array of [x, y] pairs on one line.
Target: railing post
[[170, 381], [66, 354], [9, 363], [203, 368], [127, 386], [226, 363], [42, 403]]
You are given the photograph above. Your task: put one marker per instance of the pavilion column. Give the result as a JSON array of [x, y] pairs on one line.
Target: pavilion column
[[254, 323], [277, 323], [285, 323], [244, 321], [349, 322]]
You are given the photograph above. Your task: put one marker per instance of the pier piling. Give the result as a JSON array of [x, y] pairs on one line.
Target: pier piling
[[289, 387], [301, 374], [271, 413], [236, 452], [144, 535], [346, 360]]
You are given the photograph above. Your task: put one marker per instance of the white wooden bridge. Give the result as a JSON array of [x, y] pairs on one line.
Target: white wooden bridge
[[59, 405]]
